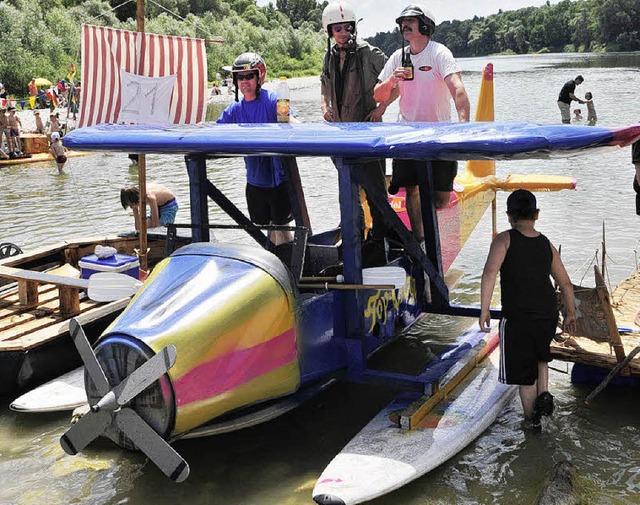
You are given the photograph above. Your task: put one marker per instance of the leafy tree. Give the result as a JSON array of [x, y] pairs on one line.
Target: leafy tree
[[44, 35], [299, 11], [620, 23]]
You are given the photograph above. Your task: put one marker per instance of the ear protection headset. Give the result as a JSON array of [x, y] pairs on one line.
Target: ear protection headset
[[426, 28], [426, 21]]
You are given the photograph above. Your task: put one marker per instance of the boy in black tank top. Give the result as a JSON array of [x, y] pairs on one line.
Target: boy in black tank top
[[525, 259]]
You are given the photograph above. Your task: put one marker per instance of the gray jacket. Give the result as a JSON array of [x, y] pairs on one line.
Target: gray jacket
[[363, 64]]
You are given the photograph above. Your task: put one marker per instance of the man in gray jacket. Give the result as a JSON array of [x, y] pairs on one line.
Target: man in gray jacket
[[349, 73]]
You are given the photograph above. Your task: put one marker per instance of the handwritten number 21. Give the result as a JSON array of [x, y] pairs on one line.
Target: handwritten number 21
[[139, 90]]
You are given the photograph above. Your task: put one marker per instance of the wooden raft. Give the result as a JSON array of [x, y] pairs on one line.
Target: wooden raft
[[29, 288], [598, 341], [37, 310]]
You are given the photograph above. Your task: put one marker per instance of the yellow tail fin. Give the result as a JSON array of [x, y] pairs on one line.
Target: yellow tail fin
[[484, 112]]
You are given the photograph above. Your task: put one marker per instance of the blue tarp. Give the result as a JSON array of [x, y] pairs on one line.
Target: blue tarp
[[451, 141]]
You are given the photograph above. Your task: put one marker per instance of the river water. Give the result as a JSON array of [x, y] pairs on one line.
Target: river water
[[278, 462]]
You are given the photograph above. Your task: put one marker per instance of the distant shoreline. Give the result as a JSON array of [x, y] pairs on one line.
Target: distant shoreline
[[294, 83]]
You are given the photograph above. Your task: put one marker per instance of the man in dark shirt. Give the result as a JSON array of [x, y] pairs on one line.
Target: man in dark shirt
[[566, 96]]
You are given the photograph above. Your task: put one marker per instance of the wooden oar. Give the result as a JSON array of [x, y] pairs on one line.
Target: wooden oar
[[101, 286], [337, 278], [111, 286], [327, 286]]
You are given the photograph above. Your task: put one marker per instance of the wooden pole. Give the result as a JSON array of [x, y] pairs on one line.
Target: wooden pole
[[494, 217], [346, 287], [142, 168], [612, 325], [604, 251]]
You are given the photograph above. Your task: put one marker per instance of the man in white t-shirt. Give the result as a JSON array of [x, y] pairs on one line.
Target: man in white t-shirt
[[424, 98]]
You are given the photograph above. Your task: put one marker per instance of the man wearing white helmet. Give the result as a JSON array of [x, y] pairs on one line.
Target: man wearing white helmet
[[425, 97], [349, 73]]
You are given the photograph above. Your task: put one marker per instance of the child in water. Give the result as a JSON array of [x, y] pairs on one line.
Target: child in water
[[591, 109], [58, 151], [578, 115], [526, 259]]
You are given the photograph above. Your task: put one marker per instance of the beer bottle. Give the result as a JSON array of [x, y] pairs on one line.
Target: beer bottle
[[408, 65], [283, 104]]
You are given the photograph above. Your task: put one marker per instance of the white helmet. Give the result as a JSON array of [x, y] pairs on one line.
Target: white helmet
[[338, 12], [55, 136]]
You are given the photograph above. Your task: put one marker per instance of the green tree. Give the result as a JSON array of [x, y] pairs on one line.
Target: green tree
[[299, 11], [620, 23]]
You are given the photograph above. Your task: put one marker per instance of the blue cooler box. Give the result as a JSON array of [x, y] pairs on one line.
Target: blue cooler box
[[120, 263]]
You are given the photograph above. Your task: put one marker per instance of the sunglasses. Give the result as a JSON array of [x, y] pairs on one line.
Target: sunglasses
[[339, 28], [246, 77]]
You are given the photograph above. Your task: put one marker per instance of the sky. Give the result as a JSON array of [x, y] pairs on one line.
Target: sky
[[380, 15]]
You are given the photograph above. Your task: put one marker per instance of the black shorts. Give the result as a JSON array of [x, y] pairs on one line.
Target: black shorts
[[269, 205], [405, 173], [524, 342]]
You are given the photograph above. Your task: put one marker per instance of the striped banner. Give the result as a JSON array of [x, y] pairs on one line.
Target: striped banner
[[108, 51]]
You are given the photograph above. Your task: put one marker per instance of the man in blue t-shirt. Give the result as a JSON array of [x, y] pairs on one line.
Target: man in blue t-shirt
[[267, 189]]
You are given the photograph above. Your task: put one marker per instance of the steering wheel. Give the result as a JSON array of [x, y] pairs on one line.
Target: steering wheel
[[8, 249]]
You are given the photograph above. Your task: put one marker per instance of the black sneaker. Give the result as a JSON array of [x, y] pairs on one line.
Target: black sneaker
[[544, 404]]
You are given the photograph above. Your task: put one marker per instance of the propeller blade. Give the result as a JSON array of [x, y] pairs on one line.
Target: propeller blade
[[144, 376], [152, 444], [89, 358], [111, 286], [84, 431]]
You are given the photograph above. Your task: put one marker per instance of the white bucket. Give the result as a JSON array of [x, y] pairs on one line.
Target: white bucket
[[385, 275]]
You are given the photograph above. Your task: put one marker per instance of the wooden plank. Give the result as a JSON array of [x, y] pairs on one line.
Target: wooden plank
[[17, 320], [61, 328], [411, 416], [10, 304], [614, 334], [30, 323], [578, 355]]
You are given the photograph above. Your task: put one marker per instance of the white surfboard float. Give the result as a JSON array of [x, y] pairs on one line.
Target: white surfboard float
[[383, 457], [58, 395]]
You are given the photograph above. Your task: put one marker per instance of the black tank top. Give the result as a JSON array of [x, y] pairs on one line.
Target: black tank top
[[524, 277]]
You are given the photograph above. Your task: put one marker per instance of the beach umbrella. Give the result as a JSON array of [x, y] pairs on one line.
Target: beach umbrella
[[41, 81]]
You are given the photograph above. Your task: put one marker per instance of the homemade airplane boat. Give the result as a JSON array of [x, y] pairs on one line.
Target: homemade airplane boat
[[226, 335]]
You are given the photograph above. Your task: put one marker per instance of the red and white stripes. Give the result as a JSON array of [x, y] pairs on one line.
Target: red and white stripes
[[107, 51]]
